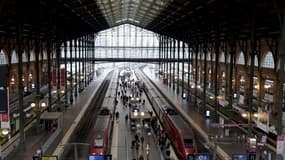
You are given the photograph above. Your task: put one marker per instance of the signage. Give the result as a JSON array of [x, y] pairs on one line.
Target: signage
[[252, 156], [202, 157], [191, 157], [36, 158], [62, 76], [199, 156], [239, 157], [100, 157], [5, 117], [49, 158], [4, 97], [280, 144], [54, 77]]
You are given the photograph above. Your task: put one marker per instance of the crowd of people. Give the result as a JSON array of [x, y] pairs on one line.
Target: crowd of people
[[141, 151]]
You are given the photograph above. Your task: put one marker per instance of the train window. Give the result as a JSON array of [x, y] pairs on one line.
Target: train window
[[171, 111], [188, 143], [98, 141], [104, 111]]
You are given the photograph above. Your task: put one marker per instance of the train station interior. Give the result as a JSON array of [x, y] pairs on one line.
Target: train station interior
[[142, 79]]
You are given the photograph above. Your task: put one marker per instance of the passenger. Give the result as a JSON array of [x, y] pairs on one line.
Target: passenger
[[141, 157], [137, 147], [136, 137], [142, 140], [133, 144], [117, 115]]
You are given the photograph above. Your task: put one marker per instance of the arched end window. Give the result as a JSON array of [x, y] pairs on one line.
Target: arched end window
[[256, 61], [2, 57], [14, 58], [228, 58], [24, 57], [32, 56], [208, 56], [193, 55], [222, 57], [129, 41], [44, 55], [241, 59], [268, 61], [54, 55], [202, 56], [214, 57]]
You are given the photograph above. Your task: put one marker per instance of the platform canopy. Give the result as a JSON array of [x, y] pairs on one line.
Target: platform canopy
[[181, 19]]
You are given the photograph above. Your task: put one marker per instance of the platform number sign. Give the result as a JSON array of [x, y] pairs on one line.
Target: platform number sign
[[191, 157], [240, 157], [4, 97], [108, 157], [199, 156], [100, 157], [251, 156], [36, 158]]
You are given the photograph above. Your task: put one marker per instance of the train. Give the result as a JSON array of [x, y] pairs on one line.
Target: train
[[100, 142], [178, 131]]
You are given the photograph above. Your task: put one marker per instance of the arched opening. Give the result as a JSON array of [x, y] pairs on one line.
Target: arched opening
[[222, 57], [127, 41], [268, 61], [2, 57], [241, 59]]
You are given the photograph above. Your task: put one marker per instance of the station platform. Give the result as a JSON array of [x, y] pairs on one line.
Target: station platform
[[227, 143], [36, 141], [124, 134]]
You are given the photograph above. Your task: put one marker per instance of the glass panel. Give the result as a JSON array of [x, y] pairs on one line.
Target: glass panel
[[188, 143], [268, 61], [98, 142]]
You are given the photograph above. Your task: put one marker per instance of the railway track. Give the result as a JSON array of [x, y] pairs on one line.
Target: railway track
[[201, 144], [79, 142]]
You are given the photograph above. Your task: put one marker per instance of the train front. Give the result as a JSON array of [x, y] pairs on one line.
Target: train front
[[97, 146], [189, 147]]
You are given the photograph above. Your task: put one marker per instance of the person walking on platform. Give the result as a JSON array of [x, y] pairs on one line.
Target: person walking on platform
[[137, 148], [142, 140], [147, 151], [117, 115]]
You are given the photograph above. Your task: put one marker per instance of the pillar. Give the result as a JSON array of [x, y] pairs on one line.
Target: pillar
[[65, 73], [37, 68], [252, 55], [216, 75], [188, 81], [232, 51], [196, 73], [173, 70], [178, 56], [71, 71], [58, 55], [49, 45], [205, 75], [76, 65], [170, 62], [183, 70], [20, 75]]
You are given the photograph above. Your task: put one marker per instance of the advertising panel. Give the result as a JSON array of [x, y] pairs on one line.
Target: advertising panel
[[54, 77], [62, 76], [4, 98]]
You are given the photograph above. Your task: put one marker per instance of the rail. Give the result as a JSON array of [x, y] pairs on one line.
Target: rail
[[221, 153]]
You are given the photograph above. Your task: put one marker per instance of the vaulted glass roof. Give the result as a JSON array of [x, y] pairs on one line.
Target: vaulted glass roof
[[194, 20], [138, 12]]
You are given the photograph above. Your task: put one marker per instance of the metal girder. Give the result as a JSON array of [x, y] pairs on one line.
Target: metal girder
[[168, 17]]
